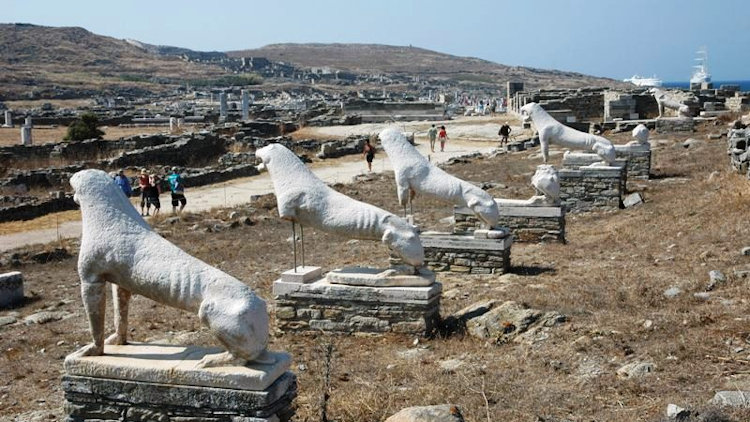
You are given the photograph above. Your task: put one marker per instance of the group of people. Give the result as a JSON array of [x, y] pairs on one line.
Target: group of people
[[433, 133], [151, 189]]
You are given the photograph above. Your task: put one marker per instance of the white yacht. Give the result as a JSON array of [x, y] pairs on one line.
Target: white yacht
[[700, 74], [640, 81]]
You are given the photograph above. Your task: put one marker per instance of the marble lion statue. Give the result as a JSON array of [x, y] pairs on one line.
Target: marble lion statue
[[664, 99], [553, 132], [119, 247], [304, 199], [547, 182], [415, 175], [640, 135]]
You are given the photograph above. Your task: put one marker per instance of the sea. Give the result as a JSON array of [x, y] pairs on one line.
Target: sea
[[744, 85]]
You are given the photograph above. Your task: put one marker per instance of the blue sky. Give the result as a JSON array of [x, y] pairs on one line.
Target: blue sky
[[612, 38]]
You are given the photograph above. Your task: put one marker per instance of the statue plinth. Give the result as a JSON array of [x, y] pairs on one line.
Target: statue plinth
[[368, 307], [165, 382], [478, 252]]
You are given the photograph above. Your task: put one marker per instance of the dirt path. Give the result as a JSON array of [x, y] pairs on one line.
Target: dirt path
[[239, 191]]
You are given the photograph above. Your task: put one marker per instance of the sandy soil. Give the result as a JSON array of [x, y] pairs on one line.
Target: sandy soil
[[52, 134]]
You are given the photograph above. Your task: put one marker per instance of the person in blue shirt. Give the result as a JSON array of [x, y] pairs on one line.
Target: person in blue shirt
[[123, 182], [178, 190]]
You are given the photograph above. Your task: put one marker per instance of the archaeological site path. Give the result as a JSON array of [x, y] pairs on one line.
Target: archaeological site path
[[240, 191]]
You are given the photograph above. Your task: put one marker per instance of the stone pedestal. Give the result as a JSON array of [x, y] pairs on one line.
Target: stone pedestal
[[340, 308], [8, 119], [638, 157], [11, 289], [592, 188], [152, 382], [675, 124], [26, 135], [526, 223], [467, 253]]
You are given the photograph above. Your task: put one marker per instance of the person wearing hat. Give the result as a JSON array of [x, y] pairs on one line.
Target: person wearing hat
[[145, 185], [123, 182], [178, 190]]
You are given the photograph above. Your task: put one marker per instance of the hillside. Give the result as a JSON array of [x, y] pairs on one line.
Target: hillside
[[376, 58], [73, 62]]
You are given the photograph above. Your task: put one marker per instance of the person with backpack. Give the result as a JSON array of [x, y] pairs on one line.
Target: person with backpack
[[504, 133], [178, 190]]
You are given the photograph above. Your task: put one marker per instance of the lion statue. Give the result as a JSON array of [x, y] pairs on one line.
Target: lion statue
[[415, 175], [304, 199], [665, 99], [119, 247], [553, 132], [545, 181]]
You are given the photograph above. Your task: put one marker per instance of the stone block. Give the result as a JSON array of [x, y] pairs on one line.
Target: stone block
[[373, 277], [467, 253], [11, 289], [142, 389], [302, 274]]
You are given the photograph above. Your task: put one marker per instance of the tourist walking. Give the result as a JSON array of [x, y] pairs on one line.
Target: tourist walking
[[369, 152], [123, 182], [432, 134], [442, 137], [152, 194], [178, 190], [144, 184], [504, 133]]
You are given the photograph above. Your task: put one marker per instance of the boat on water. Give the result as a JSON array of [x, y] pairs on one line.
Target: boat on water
[[641, 81], [700, 74]]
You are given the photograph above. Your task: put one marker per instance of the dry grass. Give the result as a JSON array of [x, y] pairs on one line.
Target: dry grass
[[49, 221], [52, 134], [609, 280]]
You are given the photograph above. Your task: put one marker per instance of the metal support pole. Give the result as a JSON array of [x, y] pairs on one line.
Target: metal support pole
[[294, 247], [302, 236]]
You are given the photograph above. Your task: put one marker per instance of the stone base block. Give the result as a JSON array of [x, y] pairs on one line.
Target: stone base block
[[399, 276], [11, 289], [465, 254], [302, 274], [526, 223], [675, 124], [149, 382], [592, 188], [337, 308], [638, 157]]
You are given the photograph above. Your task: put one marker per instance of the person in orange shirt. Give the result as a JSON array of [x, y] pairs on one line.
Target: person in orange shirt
[[145, 185]]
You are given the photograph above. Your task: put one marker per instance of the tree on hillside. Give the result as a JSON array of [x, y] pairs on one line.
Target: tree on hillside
[[84, 127]]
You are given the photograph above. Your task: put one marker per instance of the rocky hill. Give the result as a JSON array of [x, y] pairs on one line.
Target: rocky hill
[[64, 62], [377, 58]]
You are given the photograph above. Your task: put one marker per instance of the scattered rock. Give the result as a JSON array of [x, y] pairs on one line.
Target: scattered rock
[[352, 242], [510, 320], [439, 413], [636, 370], [715, 277], [172, 220], [746, 251], [672, 292], [474, 310], [44, 317], [702, 295], [450, 365], [648, 324], [713, 176], [7, 320], [448, 220], [632, 200], [247, 221], [233, 215], [412, 354], [677, 412], [692, 143], [735, 398], [742, 273]]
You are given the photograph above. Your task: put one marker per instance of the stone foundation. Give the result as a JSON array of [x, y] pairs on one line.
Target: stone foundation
[[592, 188], [142, 382], [675, 124], [466, 254], [527, 224], [638, 158], [344, 309], [11, 289]]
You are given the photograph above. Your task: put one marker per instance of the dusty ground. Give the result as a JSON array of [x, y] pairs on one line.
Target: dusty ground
[[608, 280], [51, 134]]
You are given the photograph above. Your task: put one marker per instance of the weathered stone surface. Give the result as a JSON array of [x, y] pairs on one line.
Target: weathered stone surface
[[632, 200], [44, 317], [374, 277], [439, 413], [177, 365], [302, 274], [94, 399], [636, 369], [465, 254], [11, 289], [322, 306], [734, 398], [527, 224], [510, 320], [592, 188]]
